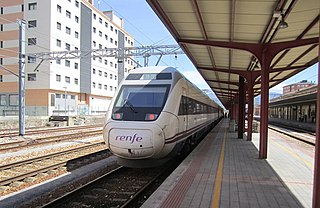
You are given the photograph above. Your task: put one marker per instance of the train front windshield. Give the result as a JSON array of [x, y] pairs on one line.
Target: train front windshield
[[140, 103]]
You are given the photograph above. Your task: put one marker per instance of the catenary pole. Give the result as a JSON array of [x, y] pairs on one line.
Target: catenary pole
[[22, 51]]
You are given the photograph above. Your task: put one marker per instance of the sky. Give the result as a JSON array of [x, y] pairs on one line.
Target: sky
[[146, 28]]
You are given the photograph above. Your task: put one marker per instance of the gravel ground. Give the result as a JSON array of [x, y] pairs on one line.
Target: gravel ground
[[35, 151], [42, 193]]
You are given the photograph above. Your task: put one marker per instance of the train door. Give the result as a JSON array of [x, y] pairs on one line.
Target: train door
[[183, 111]]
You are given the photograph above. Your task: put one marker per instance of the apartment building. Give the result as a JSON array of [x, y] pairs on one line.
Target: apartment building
[[296, 86], [61, 86]]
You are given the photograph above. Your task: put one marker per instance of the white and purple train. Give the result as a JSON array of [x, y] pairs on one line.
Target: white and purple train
[[156, 114]]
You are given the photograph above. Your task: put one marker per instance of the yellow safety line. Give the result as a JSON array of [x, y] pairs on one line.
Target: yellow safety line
[[293, 154], [217, 186]]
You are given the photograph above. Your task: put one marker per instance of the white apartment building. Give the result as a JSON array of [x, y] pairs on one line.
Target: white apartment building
[[62, 86]]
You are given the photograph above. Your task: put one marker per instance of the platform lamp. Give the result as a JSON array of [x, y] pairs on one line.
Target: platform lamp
[[283, 24]]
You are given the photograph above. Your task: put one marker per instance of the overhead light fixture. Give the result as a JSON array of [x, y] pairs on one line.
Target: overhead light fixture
[[283, 24]]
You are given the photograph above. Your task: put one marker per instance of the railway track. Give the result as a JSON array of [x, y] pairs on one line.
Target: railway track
[[296, 133], [309, 139], [121, 187], [46, 140], [28, 171], [32, 131]]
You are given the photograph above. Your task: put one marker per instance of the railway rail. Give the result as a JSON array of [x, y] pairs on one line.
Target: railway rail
[[120, 187], [9, 146], [30, 131], [30, 170], [292, 132], [302, 135]]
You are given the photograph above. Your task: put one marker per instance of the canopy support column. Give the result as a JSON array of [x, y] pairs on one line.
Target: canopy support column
[[316, 180], [241, 107], [263, 146], [250, 110]]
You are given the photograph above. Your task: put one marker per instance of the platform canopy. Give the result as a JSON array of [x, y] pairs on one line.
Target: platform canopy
[[223, 37]]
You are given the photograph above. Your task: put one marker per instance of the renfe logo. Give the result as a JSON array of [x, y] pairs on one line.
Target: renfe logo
[[131, 139]]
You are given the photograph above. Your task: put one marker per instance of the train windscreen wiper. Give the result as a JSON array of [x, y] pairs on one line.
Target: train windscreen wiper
[[127, 102]]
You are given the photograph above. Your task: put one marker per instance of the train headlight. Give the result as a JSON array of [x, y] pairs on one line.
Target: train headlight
[[117, 116], [151, 117]]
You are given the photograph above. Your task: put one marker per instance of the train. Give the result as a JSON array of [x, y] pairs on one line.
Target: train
[[156, 114]]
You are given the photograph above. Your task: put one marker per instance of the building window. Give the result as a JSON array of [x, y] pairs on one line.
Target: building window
[[32, 41], [32, 77], [94, 71], [3, 100], [76, 81], [1, 44], [68, 14], [100, 33], [76, 19], [32, 23], [100, 86], [100, 20], [58, 43], [94, 16], [32, 59], [116, 31], [73, 97], [94, 84], [100, 46], [110, 88], [67, 63], [94, 44], [94, 30], [32, 6], [106, 62], [58, 95], [111, 40], [58, 78], [59, 8], [76, 3], [105, 87], [58, 25], [76, 48], [67, 79], [13, 100], [67, 46], [1, 78], [111, 76], [115, 65], [111, 63], [111, 28], [100, 73], [76, 34], [115, 77], [106, 37], [105, 74], [106, 24], [58, 61], [68, 30], [116, 43], [76, 65]]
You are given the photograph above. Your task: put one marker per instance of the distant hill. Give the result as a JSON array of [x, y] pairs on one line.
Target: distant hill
[[271, 96]]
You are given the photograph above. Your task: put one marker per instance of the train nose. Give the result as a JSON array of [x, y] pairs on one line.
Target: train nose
[[138, 143]]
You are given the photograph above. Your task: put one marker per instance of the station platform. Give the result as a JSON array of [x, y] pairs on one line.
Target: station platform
[[224, 171]]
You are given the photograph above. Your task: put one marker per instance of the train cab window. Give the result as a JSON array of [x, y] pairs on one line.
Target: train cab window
[[137, 103], [150, 76]]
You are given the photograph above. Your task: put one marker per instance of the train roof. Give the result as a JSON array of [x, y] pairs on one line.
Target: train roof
[[154, 69]]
